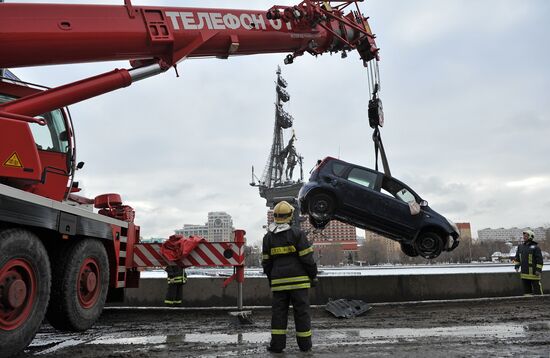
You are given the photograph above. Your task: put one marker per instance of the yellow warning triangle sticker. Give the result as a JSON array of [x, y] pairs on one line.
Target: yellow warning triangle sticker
[[13, 161]]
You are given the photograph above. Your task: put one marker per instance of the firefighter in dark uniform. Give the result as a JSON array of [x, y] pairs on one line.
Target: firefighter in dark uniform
[[529, 259], [176, 279], [287, 259]]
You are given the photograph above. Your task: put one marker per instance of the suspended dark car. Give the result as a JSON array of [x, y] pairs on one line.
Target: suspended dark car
[[371, 200]]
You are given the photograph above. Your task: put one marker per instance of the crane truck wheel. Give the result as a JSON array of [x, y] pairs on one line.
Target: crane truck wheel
[[24, 288], [80, 280]]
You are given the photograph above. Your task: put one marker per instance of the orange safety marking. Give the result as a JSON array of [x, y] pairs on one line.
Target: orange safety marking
[[13, 161]]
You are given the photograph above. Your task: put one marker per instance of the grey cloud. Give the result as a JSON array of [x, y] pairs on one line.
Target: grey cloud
[[454, 207], [458, 105]]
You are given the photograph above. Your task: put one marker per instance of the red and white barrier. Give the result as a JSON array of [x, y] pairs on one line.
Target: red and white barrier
[[206, 254]]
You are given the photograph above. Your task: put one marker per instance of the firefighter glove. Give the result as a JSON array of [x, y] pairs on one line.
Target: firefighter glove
[[314, 282]]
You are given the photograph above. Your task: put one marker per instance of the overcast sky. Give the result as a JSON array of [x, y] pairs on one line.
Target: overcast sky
[[465, 86]]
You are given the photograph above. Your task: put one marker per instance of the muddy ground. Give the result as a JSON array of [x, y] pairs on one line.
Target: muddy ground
[[505, 327]]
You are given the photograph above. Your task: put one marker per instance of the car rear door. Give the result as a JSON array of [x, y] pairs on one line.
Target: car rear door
[[358, 193]]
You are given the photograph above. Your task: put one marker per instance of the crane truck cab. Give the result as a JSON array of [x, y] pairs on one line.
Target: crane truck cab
[[39, 155]]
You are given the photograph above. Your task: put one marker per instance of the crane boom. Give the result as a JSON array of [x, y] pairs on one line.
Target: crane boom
[[153, 39], [47, 34]]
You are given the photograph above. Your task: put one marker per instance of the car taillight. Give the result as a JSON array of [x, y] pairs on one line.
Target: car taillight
[[320, 163]]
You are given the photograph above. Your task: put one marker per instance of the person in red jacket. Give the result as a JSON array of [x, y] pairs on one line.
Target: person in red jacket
[[529, 259], [287, 259]]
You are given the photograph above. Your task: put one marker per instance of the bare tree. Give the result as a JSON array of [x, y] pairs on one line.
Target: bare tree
[[373, 252], [252, 256], [331, 255]]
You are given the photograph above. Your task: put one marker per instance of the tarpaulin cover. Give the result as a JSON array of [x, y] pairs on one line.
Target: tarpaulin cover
[[178, 247]]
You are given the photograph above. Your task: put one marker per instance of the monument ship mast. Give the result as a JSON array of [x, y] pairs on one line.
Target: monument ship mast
[[277, 181]]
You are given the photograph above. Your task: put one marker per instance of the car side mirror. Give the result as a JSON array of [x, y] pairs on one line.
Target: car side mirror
[[423, 203]]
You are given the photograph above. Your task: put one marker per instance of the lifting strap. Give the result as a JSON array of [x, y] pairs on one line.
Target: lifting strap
[[379, 147]]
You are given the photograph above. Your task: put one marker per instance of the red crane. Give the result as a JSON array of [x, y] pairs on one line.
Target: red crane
[[84, 254]]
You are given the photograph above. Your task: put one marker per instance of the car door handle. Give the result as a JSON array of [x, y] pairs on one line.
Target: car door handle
[[329, 180]]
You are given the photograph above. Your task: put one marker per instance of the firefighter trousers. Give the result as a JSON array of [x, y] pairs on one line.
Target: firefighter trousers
[[531, 287], [176, 280], [279, 318]]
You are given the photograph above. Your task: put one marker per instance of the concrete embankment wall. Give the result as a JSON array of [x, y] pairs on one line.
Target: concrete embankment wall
[[208, 292]]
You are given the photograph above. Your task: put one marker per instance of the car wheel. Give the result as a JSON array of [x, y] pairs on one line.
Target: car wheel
[[428, 245], [409, 250], [321, 207]]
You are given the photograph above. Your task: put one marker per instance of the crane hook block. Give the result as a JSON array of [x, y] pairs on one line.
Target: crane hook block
[[376, 113]]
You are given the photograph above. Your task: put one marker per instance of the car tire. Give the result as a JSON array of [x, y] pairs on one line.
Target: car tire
[[428, 245], [409, 250], [321, 207]]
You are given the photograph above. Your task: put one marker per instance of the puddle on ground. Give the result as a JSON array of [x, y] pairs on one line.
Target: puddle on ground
[[209, 338], [60, 345], [496, 331], [324, 337], [365, 336]]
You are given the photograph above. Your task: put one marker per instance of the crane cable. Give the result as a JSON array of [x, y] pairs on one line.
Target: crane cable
[[376, 115]]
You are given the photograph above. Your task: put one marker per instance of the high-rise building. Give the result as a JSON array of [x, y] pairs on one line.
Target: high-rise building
[[392, 247], [193, 230], [512, 235], [465, 231], [219, 228], [335, 234]]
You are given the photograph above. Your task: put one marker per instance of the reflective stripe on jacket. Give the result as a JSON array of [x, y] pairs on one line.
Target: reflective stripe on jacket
[[529, 258], [287, 259], [176, 274]]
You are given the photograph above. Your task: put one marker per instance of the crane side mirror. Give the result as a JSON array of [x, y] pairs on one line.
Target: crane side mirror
[[63, 136], [80, 165]]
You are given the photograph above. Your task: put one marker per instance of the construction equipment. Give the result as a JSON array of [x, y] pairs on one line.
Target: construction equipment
[[51, 248]]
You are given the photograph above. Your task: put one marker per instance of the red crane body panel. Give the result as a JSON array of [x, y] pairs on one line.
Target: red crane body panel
[[42, 34]]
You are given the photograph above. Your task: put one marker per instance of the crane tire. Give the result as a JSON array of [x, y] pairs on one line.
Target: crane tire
[[25, 277], [80, 280]]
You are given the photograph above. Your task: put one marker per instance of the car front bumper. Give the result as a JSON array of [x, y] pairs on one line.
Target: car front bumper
[[452, 243]]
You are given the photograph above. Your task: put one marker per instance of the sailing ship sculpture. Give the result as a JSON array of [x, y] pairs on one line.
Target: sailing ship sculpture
[[277, 181]]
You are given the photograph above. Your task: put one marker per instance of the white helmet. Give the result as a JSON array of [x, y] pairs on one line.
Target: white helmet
[[530, 234]]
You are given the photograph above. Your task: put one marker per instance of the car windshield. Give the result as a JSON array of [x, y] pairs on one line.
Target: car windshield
[[397, 190]]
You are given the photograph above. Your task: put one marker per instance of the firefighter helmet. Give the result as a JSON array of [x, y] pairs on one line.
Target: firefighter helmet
[[530, 234], [282, 213]]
